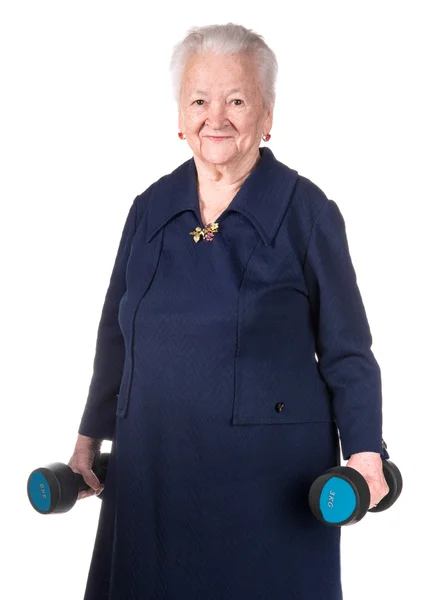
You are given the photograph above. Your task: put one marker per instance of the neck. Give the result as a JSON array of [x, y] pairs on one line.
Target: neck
[[225, 179]]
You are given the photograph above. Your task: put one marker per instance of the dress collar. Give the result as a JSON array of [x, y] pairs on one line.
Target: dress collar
[[262, 198]]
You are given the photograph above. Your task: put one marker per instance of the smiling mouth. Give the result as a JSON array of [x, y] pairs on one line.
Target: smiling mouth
[[218, 137]]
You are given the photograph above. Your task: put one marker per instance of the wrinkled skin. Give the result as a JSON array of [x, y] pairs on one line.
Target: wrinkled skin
[[370, 465], [82, 460]]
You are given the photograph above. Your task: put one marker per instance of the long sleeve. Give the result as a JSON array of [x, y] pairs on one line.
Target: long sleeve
[[343, 338], [99, 416]]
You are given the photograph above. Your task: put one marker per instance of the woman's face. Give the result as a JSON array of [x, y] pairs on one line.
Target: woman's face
[[220, 96]]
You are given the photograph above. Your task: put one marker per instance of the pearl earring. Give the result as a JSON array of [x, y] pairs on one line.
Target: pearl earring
[[181, 135], [266, 137]]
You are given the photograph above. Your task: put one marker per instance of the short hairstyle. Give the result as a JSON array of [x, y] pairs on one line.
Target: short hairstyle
[[226, 39]]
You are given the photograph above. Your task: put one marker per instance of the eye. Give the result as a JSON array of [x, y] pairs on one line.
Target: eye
[[235, 100]]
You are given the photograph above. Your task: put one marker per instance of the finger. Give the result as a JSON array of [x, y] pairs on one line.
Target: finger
[[93, 481], [89, 492], [83, 467], [85, 494]]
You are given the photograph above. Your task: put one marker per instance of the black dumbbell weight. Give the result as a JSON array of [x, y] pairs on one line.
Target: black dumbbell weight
[[341, 495], [55, 487]]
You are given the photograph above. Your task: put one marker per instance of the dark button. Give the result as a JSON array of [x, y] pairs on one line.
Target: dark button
[[280, 406]]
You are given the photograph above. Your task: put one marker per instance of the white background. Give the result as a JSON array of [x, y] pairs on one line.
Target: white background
[[88, 122]]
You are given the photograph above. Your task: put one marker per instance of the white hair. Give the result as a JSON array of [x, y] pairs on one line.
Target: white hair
[[226, 39]]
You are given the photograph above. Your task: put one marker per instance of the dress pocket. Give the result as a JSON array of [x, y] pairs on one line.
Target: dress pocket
[[277, 377], [263, 397]]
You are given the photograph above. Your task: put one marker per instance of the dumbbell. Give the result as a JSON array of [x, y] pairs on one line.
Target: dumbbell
[[341, 496], [55, 487]]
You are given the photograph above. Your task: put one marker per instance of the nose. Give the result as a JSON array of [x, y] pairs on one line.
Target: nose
[[216, 116]]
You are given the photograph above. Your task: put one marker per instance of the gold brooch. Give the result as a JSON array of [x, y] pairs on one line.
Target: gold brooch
[[207, 233]]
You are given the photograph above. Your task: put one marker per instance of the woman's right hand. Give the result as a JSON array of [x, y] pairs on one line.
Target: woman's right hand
[[82, 460]]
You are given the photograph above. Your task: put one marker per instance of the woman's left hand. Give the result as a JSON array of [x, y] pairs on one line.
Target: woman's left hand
[[370, 465]]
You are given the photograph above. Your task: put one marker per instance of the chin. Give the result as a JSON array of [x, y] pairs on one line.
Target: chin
[[219, 156]]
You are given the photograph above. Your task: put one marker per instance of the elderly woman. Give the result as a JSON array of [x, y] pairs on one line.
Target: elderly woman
[[233, 352]]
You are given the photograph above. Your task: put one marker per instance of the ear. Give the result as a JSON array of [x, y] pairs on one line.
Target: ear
[[268, 123], [179, 119]]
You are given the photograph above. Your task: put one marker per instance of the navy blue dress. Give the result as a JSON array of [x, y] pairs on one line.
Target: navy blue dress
[[225, 372]]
